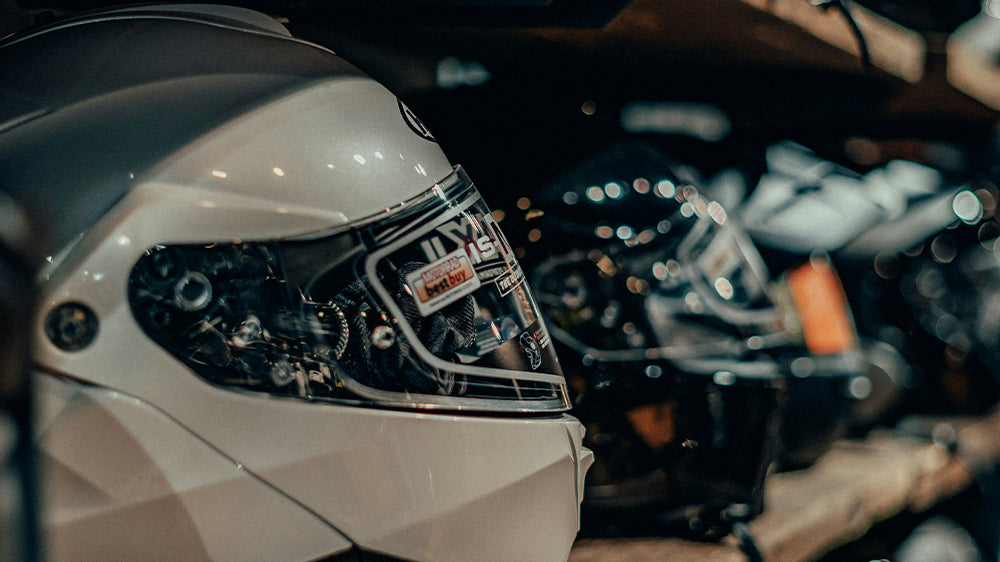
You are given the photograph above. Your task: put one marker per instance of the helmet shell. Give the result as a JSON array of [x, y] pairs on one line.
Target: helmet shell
[[127, 129]]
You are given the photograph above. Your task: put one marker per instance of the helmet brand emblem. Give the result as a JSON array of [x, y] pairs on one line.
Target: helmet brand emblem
[[531, 348], [415, 124]]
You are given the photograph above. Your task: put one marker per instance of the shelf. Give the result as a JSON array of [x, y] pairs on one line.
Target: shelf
[[854, 486], [895, 49]]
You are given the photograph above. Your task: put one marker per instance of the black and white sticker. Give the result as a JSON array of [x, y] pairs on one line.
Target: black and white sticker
[[532, 349], [414, 122], [482, 240], [509, 280]]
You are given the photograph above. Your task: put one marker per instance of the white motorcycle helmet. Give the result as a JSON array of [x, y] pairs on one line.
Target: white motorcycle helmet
[[279, 324]]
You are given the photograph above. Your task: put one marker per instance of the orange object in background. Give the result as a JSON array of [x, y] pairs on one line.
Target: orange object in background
[[827, 325], [654, 423]]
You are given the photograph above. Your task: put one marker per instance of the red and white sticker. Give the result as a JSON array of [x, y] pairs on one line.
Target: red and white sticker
[[443, 282]]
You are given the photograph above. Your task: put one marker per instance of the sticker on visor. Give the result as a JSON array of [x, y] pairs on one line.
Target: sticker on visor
[[509, 280], [443, 282], [532, 349]]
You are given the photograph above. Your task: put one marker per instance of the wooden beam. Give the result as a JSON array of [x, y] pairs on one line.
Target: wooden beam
[[892, 48]]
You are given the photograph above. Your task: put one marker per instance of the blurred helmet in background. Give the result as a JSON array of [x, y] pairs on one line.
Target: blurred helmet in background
[[688, 362]]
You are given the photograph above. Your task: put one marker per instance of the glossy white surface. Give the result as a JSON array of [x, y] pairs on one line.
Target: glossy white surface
[[341, 146], [410, 485], [122, 481]]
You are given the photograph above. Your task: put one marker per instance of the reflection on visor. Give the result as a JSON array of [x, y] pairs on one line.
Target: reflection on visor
[[421, 307]]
